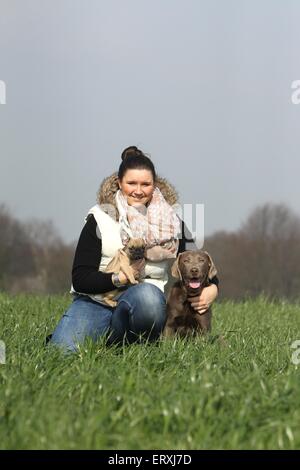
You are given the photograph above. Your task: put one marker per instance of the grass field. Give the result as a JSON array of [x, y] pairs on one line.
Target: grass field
[[172, 395]]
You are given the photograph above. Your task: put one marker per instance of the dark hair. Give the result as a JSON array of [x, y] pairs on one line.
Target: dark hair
[[134, 159]]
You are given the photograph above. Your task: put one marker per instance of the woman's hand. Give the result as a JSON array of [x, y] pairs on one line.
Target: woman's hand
[[122, 278], [201, 303], [138, 268]]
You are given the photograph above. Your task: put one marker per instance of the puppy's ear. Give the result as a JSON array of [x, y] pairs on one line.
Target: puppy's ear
[[212, 269], [175, 271]]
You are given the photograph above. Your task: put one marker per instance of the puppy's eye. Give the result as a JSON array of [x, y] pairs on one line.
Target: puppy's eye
[[186, 260]]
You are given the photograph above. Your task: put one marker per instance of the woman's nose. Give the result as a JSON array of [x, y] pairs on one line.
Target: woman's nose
[[138, 190]]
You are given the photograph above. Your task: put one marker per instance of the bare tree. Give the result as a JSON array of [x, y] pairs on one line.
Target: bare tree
[[52, 257], [263, 256], [16, 258], [33, 257], [272, 233]]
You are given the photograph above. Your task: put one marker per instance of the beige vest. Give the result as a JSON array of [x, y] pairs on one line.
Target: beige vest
[[156, 273]]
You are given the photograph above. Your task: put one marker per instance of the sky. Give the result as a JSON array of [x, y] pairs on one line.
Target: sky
[[203, 86]]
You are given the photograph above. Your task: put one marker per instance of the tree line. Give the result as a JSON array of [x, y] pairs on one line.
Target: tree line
[[33, 257], [262, 256]]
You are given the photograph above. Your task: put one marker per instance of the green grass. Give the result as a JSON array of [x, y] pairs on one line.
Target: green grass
[[196, 394]]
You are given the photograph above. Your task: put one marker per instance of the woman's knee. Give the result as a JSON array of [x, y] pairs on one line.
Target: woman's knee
[[80, 321], [148, 306], [148, 293], [149, 299]]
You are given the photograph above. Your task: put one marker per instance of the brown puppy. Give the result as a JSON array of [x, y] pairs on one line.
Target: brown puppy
[[122, 261], [194, 269]]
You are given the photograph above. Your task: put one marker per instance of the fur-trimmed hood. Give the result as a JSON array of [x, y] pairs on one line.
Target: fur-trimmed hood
[[109, 187]]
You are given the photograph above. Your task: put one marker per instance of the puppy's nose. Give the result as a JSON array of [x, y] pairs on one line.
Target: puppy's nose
[[195, 270]]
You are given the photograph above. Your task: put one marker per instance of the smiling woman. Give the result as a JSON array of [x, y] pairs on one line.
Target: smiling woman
[[137, 186], [136, 176], [143, 208]]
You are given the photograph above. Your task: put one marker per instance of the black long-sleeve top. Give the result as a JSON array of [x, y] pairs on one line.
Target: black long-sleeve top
[[86, 278]]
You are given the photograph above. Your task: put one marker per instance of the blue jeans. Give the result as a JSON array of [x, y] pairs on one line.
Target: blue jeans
[[141, 311]]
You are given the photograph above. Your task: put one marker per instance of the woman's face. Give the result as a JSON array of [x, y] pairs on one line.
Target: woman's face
[[137, 186]]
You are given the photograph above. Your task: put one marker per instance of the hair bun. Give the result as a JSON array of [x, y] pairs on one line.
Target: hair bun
[[131, 151]]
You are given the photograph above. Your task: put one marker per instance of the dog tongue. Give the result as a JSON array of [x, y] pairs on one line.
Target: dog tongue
[[194, 285]]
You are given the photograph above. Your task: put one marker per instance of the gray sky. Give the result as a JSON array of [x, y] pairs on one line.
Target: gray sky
[[204, 87]]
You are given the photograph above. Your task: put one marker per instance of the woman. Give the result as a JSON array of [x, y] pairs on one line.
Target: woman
[[134, 203]]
